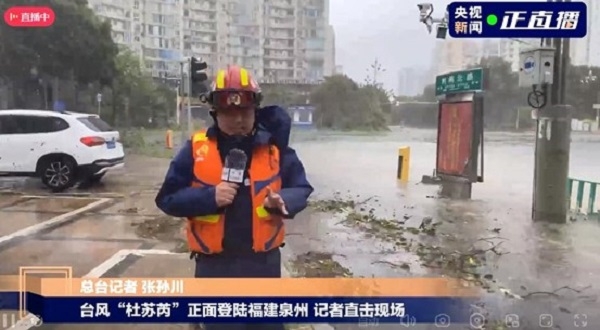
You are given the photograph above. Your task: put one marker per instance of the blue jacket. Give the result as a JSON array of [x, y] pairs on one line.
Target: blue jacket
[[176, 197]]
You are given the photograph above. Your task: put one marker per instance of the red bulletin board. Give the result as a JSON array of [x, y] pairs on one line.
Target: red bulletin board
[[455, 138]]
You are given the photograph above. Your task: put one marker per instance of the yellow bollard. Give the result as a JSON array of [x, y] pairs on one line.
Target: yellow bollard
[[403, 163], [169, 139]]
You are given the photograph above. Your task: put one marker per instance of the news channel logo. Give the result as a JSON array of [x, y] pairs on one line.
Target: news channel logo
[[526, 19]]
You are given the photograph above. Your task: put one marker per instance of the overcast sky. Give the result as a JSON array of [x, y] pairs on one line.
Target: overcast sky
[[388, 30]]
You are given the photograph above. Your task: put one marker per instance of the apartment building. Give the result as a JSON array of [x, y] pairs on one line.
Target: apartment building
[[278, 40], [411, 81], [454, 54], [149, 28]]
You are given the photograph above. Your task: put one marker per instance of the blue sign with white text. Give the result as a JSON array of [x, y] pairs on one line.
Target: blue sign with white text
[[517, 19]]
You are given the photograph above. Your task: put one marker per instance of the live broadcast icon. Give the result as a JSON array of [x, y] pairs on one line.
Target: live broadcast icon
[[29, 16]]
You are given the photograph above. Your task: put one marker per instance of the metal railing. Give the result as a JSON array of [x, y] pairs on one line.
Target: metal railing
[[583, 196]]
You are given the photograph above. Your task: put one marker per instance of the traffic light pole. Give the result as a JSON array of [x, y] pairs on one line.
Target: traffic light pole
[[192, 72], [553, 146]]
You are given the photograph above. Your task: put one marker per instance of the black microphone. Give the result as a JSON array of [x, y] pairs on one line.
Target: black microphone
[[235, 166]]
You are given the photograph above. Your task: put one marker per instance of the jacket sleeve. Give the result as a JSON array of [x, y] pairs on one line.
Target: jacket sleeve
[[176, 198], [295, 188]]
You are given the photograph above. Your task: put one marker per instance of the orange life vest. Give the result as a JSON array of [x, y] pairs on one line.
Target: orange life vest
[[205, 233]]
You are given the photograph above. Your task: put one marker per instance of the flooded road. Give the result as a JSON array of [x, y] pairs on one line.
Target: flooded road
[[394, 230], [531, 269]]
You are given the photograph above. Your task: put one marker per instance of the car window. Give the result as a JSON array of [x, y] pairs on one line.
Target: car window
[[96, 124], [8, 125], [18, 124]]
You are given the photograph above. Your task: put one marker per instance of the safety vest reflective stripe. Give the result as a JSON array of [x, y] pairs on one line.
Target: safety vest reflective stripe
[[213, 218]]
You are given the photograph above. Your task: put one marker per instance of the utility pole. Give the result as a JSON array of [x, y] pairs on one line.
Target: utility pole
[[553, 144]]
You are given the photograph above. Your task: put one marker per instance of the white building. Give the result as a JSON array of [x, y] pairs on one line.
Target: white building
[[412, 81], [275, 39], [339, 69]]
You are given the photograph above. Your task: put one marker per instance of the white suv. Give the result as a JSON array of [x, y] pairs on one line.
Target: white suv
[[61, 148]]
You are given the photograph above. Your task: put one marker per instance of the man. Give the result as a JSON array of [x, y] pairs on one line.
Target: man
[[235, 229]]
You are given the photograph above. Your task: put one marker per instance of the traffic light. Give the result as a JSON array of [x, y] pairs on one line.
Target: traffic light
[[197, 68]]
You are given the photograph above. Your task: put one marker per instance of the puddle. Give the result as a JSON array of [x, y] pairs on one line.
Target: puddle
[[14, 221], [99, 226], [142, 204], [51, 205], [8, 200]]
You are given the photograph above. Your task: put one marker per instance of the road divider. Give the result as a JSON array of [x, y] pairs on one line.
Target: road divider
[[583, 197]]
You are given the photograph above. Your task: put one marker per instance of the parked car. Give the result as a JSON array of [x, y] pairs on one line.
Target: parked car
[[61, 148]]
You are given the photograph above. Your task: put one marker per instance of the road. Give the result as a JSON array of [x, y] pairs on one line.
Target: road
[[529, 262]]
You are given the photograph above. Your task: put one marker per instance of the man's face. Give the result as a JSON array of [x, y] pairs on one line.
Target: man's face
[[235, 120]]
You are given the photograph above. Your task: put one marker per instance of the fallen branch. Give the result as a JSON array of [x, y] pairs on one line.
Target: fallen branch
[[364, 201], [555, 292]]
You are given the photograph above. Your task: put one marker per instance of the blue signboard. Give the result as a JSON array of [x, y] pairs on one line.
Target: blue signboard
[[302, 115], [59, 106]]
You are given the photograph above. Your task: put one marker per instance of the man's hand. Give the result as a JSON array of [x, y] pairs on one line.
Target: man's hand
[[225, 193], [274, 201]]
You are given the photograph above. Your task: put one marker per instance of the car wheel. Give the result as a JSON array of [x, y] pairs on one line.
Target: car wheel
[[58, 174]]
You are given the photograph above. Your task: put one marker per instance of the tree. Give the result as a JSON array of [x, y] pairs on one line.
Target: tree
[[342, 104], [76, 47], [136, 98], [503, 96], [278, 94]]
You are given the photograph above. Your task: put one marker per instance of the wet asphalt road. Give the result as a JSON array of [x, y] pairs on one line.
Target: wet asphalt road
[[535, 257]]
